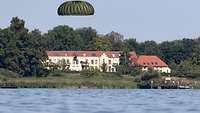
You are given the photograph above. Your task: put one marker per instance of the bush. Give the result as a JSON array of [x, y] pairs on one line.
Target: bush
[[193, 75], [8, 73], [132, 70], [56, 73], [90, 72], [149, 76]]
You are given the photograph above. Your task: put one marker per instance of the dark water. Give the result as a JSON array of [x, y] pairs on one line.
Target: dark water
[[99, 101]]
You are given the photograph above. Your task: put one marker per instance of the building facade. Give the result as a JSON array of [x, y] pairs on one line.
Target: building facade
[[78, 60], [154, 62]]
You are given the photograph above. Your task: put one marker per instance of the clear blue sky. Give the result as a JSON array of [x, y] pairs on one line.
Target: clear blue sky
[[157, 20]]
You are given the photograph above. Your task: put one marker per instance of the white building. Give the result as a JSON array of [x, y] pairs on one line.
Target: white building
[[78, 60], [146, 61]]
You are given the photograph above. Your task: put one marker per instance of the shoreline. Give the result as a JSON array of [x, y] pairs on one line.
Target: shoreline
[[78, 81]]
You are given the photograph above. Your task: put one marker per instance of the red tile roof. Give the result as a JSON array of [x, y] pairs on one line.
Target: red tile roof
[[133, 56], [151, 61], [110, 54], [73, 53]]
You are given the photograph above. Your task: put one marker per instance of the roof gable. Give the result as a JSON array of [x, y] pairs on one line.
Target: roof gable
[[151, 61]]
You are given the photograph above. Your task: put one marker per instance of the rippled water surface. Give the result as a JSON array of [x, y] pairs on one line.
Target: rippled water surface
[[99, 101]]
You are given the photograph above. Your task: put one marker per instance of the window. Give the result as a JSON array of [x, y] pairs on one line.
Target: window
[[109, 61], [156, 63], [96, 61], [103, 60], [152, 63], [68, 61], [113, 69], [92, 61], [147, 63]]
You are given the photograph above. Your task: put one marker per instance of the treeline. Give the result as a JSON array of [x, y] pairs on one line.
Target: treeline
[[22, 51]]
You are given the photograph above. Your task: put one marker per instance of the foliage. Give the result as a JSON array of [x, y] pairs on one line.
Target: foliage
[[100, 44], [62, 65], [7, 73], [104, 67], [21, 51], [149, 79], [116, 39], [150, 74], [63, 38], [87, 34], [187, 69], [91, 72], [126, 66]]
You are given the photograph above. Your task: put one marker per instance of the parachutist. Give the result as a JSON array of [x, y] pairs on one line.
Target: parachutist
[[76, 8]]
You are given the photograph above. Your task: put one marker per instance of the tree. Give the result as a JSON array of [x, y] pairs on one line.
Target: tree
[[19, 53], [150, 48], [176, 51], [132, 44], [196, 54], [87, 34], [116, 40], [63, 65], [64, 38], [104, 67], [100, 44], [125, 65]]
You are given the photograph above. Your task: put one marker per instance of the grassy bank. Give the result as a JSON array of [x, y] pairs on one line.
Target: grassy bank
[[70, 80], [85, 79]]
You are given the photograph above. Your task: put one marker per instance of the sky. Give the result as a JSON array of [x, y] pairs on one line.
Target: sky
[[158, 20]]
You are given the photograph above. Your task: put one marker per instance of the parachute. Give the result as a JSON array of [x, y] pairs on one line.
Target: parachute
[[76, 8]]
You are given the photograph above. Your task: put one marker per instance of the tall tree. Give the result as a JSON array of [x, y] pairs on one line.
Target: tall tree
[[116, 40], [132, 44], [64, 38], [87, 34], [150, 48], [100, 44], [18, 53]]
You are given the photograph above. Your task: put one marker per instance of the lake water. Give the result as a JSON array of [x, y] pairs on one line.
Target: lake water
[[99, 101]]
